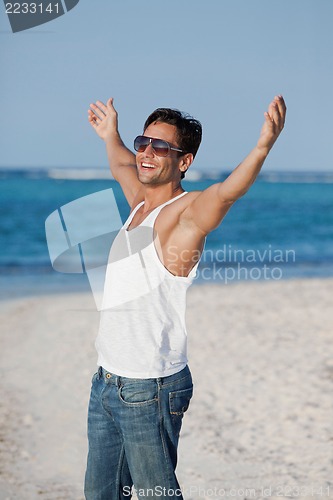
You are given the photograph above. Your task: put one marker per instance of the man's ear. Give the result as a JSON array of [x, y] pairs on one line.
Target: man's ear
[[186, 161]]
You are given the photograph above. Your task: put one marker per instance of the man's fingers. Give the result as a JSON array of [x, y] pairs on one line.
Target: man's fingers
[[109, 103], [97, 110], [92, 116], [270, 112], [93, 119], [269, 119], [281, 104], [281, 108], [101, 106], [276, 111], [276, 114], [100, 110]]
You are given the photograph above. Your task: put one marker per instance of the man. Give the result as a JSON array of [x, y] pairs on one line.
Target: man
[[143, 385]]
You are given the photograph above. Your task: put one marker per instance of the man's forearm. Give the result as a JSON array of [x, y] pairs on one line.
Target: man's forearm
[[242, 178], [118, 154]]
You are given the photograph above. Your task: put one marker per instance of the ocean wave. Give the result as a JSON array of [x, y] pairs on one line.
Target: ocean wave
[[79, 174], [193, 174], [297, 177]]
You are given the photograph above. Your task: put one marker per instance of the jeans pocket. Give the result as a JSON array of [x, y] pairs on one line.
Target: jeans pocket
[[138, 394], [179, 401]]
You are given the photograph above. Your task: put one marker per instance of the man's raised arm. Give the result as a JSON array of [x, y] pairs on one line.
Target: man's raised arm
[[104, 120], [209, 207]]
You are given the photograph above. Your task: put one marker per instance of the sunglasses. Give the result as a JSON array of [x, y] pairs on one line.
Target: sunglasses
[[160, 147]]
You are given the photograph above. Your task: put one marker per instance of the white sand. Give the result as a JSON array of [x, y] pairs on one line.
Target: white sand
[[261, 356]]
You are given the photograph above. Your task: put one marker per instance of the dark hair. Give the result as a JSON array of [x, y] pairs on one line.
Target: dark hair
[[189, 130]]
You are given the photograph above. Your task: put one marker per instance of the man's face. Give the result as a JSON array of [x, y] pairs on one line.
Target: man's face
[[153, 169]]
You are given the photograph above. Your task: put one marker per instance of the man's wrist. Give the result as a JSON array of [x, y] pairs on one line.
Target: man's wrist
[[262, 151], [112, 139]]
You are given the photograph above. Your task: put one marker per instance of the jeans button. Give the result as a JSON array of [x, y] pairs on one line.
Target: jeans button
[[108, 375]]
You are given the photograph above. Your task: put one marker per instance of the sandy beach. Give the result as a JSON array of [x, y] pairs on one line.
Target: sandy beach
[[260, 424]]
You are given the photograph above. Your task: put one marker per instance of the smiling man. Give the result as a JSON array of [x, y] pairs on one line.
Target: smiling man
[[143, 385]]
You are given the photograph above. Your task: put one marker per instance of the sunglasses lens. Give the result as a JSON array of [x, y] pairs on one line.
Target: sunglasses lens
[[140, 143], [160, 147]]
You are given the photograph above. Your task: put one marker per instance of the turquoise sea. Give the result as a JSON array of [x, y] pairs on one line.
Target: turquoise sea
[[282, 228]]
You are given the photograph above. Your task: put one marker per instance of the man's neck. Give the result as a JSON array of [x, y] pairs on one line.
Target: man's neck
[[157, 195]]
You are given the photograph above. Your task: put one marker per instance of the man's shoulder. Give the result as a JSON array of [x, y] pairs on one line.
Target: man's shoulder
[[184, 201], [171, 214], [178, 206]]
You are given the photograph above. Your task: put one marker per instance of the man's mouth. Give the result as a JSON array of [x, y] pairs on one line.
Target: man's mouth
[[147, 165]]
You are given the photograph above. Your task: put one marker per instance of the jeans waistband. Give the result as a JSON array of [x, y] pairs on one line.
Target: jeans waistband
[[112, 378]]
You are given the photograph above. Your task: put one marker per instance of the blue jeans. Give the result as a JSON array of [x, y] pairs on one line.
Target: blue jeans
[[133, 433]]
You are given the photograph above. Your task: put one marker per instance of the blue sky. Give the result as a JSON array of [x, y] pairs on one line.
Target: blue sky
[[220, 60]]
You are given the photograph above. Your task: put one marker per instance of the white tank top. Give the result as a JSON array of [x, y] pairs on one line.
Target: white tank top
[[142, 332]]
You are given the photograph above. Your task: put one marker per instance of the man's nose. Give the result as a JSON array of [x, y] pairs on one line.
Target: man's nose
[[149, 150]]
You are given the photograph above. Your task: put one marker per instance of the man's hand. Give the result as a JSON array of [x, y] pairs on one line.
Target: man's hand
[[274, 123], [104, 119]]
